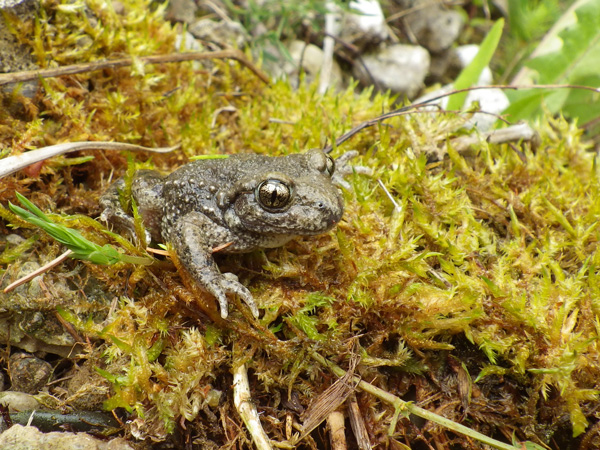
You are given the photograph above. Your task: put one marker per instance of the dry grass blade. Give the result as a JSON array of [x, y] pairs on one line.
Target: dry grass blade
[[329, 401]]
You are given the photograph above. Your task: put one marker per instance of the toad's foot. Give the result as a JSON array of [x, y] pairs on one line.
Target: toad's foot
[[227, 283], [343, 168]]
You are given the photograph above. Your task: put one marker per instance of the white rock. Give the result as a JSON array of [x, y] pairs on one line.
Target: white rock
[[18, 401], [366, 25], [187, 42], [19, 437], [491, 101], [399, 68]]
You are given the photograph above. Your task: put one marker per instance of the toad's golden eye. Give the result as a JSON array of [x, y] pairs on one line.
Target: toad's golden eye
[[330, 165], [273, 194]]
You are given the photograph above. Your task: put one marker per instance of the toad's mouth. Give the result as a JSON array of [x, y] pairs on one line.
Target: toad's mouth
[[318, 227]]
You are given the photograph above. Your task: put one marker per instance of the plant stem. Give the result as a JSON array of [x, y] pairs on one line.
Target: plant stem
[[406, 408]]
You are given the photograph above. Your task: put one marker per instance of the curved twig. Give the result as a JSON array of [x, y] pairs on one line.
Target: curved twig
[[428, 102]]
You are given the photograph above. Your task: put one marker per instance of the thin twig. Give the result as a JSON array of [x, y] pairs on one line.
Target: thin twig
[[404, 110], [35, 273], [29, 75]]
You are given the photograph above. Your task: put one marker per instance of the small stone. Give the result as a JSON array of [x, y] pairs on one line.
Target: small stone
[[14, 239], [28, 373], [311, 58], [19, 437], [18, 401], [87, 389], [399, 68], [492, 102], [181, 11], [14, 56]]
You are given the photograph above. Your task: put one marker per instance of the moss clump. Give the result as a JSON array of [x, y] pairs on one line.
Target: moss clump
[[474, 292]]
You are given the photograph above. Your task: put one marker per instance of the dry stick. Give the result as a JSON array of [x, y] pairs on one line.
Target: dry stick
[[405, 408], [337, 436], [35, 273], [513, 133], [405, 109], [242, 399], [12, 164], [358, 426], [30, 75]]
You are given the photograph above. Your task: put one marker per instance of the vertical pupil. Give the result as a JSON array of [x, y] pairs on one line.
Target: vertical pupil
[[273, 194]]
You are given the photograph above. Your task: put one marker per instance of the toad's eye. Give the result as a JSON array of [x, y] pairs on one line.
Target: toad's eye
[[330, 165], [273, 194]]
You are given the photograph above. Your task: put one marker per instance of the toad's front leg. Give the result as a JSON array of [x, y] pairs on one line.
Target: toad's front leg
[[189, 240]]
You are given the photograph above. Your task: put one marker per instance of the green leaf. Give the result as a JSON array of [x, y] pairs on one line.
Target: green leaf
[[570, 57], [73, 239], [494, 289], [470, 74], [114, 379], [579, 53], [122, 345], [155, 351]]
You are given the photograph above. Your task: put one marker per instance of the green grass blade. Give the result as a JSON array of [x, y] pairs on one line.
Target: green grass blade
[[73, 239], [470, 74]]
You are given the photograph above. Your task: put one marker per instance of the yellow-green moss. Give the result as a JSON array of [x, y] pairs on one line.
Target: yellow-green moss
[[489, 260]]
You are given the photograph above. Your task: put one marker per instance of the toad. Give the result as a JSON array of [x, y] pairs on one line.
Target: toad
[[238, 204]]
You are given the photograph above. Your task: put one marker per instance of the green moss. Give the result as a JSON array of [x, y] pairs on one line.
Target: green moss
[[490, 260]]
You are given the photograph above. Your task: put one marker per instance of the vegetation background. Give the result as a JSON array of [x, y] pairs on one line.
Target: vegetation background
[[462, 283]]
